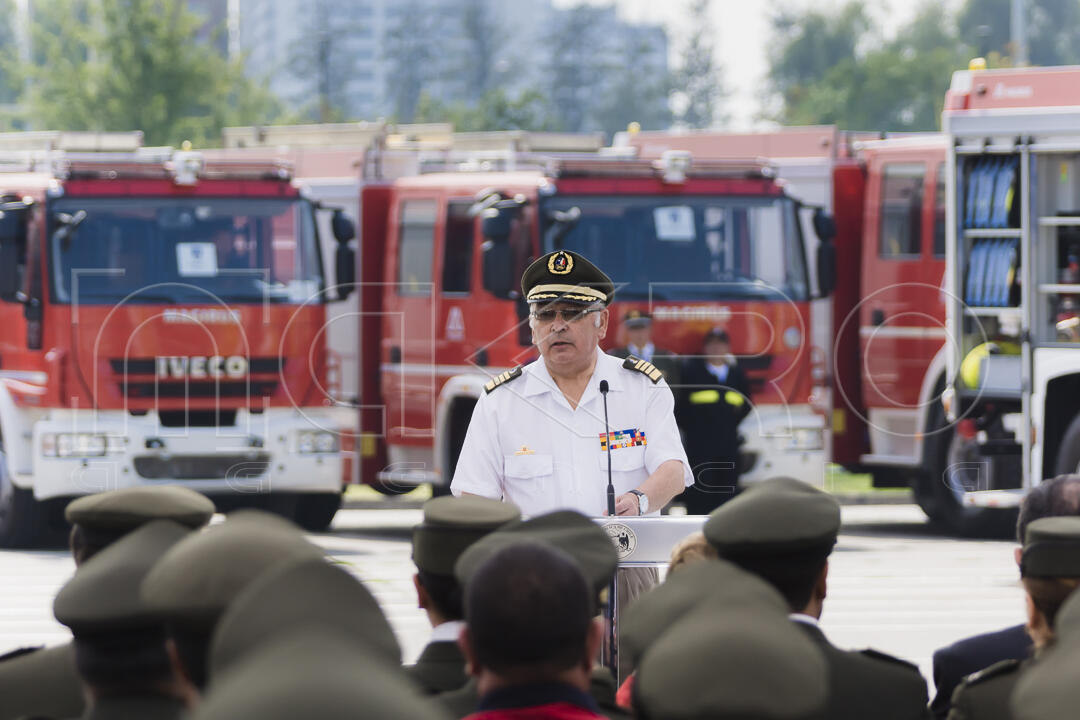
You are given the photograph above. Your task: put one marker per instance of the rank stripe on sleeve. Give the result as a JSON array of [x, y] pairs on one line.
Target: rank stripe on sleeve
[[644, 367], [502, 379]]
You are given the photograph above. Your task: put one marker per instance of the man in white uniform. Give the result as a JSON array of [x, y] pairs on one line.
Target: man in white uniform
[[537, 434]]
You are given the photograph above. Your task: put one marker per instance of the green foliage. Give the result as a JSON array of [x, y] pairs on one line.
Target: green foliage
[[699, 86], [133, 65], [1053, 29], [573, 70], [412, 54], [10, 73], [321, 57], [496, 110], [835, 68]]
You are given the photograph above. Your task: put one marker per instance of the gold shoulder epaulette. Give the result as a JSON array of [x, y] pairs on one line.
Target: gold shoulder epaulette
[[644, 367], [502, 379]]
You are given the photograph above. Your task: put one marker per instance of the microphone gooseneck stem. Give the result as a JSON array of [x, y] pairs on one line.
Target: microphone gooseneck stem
[[607, 443]]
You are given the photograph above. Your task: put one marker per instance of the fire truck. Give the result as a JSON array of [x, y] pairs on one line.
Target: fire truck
[[162, 322], [1013, 286], [883, 330], [697, 244]]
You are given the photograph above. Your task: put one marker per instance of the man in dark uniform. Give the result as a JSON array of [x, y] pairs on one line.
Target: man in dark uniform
[[531, 635], [784, 530], [194, 582], [43, 681], [713, 400], [589, 546], [120, 648], [1050, 571], [637, 326], [1047, 689], [450, 526], [1059, 496]]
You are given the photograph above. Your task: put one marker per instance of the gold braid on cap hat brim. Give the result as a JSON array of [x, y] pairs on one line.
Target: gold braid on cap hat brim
[[565, 292]]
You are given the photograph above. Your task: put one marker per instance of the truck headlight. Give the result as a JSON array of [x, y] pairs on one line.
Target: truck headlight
[[803, 439], [316, 441], [67, 445]]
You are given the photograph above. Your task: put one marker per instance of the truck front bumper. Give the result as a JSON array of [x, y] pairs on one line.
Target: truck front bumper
[[278, 450], [783, 441]]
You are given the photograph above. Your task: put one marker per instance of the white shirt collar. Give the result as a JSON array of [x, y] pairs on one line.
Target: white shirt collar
[[644, 353], [608, 368], [447, 632], [803, 618]]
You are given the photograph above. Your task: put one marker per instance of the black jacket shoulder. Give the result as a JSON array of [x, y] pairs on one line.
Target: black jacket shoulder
[[984, 695], [954, 662]]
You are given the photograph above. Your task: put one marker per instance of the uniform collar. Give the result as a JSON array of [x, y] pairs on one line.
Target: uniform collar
[[522, 696], [539, 380], [447, 631]]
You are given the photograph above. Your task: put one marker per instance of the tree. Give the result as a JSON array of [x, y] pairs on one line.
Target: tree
[[10, 76], [855, 79], [321, 58], [478, 64], [637, 90], [1053, 29], [699, 87], [496, 110], [412, 51], [573, 72], [132, 65]]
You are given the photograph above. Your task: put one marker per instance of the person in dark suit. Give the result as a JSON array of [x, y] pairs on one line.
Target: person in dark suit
[[637, 325], [1052, 498], [713, 399], [783, 531], [450, 526]]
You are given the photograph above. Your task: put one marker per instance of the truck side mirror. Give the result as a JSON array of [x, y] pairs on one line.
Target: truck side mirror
[[498, 267], [826, 268], [824, 225], [13, 220], [342, 226], [345, 270]]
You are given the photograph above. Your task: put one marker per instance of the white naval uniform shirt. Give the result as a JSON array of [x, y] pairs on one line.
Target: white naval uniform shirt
[[526, 446]]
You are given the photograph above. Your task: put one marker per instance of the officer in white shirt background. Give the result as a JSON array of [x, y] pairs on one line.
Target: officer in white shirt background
[[537, 435]]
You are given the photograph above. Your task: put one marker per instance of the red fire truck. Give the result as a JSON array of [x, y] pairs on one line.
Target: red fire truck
[[883, 329], [697, 244], [162, 322]]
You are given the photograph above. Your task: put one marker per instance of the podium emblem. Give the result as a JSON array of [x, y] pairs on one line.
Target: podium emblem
[[624, 539]]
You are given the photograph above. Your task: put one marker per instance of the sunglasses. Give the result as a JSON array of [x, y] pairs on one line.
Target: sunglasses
[[547, 315]]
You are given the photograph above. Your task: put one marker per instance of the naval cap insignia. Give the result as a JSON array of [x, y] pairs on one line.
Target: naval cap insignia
[[560, 263]]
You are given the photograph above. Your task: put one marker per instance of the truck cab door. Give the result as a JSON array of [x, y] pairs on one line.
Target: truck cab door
[[901, 317]]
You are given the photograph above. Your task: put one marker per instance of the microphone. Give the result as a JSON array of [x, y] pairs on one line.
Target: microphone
[[607, 443]]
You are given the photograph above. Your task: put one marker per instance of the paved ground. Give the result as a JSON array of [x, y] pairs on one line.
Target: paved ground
[[893, 585]]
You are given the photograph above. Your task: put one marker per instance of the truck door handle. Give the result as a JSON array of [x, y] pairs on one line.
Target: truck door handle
[[395, 354], [877, 316]]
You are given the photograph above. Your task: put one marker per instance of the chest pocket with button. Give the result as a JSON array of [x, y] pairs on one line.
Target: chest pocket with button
[[524, 467], [624, 459]]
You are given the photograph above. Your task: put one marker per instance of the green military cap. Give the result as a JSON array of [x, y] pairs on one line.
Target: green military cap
[[303, 592], [1048, 690], [565, 276], [714, 584], [200, 575], [740, 662], [104, 593], [452, 524], [777, 517], [569, 531], [313, 673], [109, 515], [1051, 548]]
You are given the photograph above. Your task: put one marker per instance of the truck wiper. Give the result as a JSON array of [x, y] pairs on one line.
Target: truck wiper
[[562, 222], [69, 223]]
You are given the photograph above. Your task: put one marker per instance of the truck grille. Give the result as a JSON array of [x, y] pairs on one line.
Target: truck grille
[[137, 378], [203, 467]]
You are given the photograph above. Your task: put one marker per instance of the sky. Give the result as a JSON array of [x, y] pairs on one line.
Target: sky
[[742, 38]]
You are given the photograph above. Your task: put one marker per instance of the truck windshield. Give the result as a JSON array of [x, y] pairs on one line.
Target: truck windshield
[[685, 247], [192, 250]]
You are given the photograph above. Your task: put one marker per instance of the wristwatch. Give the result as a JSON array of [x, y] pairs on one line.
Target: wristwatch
[[642, 502]]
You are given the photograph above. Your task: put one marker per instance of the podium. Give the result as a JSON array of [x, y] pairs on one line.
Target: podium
[[640, 543]]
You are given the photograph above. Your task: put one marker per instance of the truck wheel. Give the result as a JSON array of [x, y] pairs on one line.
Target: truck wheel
[[315, 511], [24, 522], [1068, 459], [951, 463], [392, 488]]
